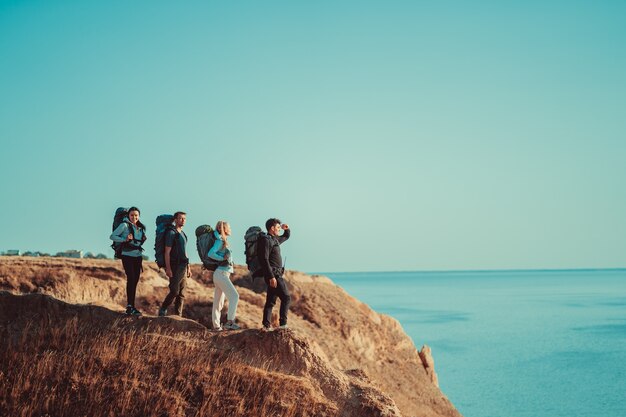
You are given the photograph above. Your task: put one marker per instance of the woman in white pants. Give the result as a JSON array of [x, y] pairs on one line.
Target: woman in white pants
[[221, 278]]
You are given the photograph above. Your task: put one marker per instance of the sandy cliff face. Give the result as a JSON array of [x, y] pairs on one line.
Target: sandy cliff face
[[358, 362]]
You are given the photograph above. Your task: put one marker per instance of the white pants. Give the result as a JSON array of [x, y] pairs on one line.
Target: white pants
[[223, 288]]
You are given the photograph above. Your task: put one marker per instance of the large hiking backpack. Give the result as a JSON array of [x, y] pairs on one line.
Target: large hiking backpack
[[163, 223], [252, 236], [205, 239], [120, 215]]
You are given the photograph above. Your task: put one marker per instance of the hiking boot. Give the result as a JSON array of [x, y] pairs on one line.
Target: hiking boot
[[162, 312], [230, 325]]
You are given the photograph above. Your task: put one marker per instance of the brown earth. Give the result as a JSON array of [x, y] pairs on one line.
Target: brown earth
[[340, 357]]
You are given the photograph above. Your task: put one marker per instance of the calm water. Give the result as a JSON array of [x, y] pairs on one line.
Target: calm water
[[513, 344]]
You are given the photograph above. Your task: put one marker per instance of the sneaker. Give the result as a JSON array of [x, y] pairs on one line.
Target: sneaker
[[162, 312], [218, 329], [266, 329], [132, 311], [230, 325], [283, 326]]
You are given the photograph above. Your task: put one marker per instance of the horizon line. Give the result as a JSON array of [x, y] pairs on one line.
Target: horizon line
[[430, 271]]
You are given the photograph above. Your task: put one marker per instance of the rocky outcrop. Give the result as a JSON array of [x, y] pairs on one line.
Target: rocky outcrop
[[429, 364], [342, 347]]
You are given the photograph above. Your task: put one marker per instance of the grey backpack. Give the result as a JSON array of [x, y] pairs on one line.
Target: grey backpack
[[252, 236], [205, 239]]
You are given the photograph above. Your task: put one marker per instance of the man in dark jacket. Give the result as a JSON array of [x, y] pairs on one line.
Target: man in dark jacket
[[272, 270]]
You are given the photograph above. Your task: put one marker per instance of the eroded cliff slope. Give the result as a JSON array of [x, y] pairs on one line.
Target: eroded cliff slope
[[340, 358]]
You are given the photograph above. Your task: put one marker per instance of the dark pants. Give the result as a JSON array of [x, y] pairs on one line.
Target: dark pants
[[132, 268], [281, 291], [177, 287]]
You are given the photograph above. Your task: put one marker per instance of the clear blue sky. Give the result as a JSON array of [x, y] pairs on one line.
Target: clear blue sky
[[396, 135]]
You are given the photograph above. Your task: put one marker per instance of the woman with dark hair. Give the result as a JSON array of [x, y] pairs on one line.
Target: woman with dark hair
[[131, 233]]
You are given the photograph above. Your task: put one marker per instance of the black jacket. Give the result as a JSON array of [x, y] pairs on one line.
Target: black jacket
[[269, 254]]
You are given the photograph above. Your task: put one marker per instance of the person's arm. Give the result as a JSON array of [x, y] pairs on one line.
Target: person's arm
[[169, 242], [213, 252], [121, 234], [168, 263], [285, 235], [264, 257]]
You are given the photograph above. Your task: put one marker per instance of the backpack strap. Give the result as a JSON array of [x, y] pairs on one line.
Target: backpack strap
[[131, 230], [172, 228], [186, 242], [143, 233], [177, 241], [143, 236], [272, 241]]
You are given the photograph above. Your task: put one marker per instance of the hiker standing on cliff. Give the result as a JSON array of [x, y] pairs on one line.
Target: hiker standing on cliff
[[224, 288], [177, 266], [130, 235], [272, 271]]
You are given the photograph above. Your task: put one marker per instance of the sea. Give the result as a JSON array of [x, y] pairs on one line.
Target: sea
[[513, 343]]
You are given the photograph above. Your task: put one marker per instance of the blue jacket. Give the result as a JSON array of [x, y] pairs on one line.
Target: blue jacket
[[219, 253]]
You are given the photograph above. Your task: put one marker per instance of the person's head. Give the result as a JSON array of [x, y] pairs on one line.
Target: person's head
[[223, 228], [273, 226], [133, 215], [180, 217]]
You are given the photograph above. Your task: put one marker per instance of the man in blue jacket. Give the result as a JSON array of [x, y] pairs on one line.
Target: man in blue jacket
[[272, 270]]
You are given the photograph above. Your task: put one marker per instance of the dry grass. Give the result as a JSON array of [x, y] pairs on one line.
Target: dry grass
[[343, 334], [73, 370]]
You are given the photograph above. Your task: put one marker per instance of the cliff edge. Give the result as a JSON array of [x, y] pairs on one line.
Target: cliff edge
[[340, 358]]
